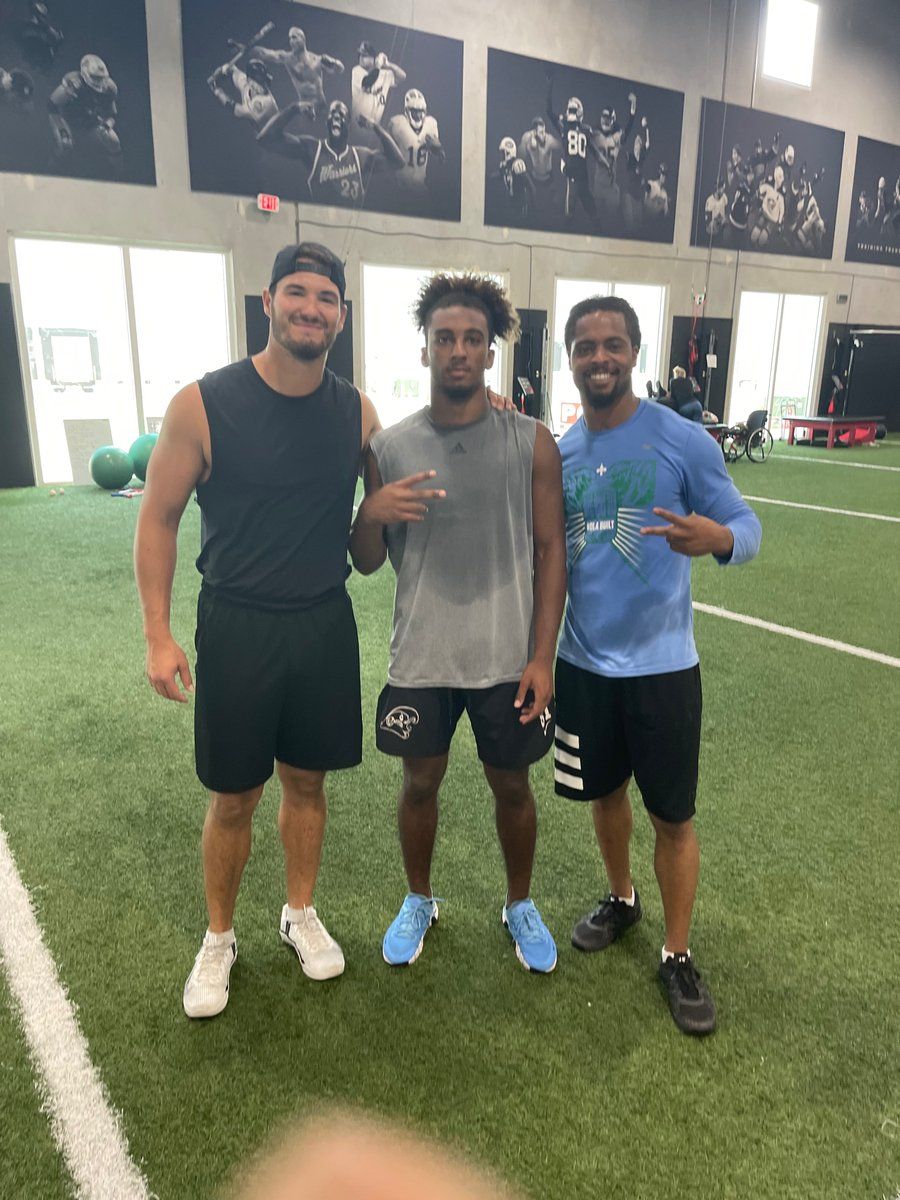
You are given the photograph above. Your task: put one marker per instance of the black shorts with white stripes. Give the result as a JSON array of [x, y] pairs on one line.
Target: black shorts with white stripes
[[608, 729]]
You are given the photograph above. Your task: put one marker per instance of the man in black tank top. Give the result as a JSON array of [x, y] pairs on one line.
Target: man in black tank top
[[479, 553], [272, 445]]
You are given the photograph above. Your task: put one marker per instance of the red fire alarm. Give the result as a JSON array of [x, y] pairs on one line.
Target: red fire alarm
[[267, 203]]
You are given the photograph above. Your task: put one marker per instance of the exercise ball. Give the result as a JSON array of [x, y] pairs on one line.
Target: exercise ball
[[111, 468], [141, 449]]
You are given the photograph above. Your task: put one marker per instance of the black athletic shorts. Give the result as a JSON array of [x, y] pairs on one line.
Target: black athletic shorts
[[274, 685], [420, 722], [608, 729]]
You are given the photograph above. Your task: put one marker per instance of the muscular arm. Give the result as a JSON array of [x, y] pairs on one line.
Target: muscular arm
[[367, 546], [549, 572], [370, 426], [334, 65], [274, 136], [389, 158], [176, 466], [272, 56]]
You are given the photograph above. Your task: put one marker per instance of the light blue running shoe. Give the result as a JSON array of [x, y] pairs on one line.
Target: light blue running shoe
[[402, 943], [535, 947]]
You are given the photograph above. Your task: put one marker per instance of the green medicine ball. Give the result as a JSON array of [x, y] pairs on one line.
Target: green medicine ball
[[111, 468], [141, 449]]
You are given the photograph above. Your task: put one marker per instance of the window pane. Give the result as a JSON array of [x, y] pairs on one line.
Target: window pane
[[796, 356], [181, 313], [76, 326], [395, 379], [754, 353], [790, 41]]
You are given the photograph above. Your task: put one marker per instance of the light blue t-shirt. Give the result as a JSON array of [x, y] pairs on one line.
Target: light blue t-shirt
[[629, 608]]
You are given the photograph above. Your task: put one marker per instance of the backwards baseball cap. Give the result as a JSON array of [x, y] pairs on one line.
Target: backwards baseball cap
[[309, 256], [367, 49]]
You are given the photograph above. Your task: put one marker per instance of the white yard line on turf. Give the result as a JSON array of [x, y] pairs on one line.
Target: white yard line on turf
[[831, 462], [828, 643], [86, 1128], [842, 512]]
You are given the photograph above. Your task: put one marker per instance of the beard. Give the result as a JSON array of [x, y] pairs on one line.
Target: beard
[[302, 351], [601, 400]]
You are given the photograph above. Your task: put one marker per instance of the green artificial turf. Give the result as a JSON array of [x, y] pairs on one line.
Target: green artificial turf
[[30, 1164], [573, 1086]]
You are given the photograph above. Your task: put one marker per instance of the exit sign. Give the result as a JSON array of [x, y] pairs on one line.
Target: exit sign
[[267, 203]]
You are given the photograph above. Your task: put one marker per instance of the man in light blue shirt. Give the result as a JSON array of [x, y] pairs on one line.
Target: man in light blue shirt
[[645, 491]]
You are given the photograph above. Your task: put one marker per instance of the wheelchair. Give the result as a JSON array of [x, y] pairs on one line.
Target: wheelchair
[[750, 437]]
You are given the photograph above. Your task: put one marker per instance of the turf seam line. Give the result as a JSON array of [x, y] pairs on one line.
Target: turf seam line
[[85, 1126], [842, 512], [829, 643], [830, 462]]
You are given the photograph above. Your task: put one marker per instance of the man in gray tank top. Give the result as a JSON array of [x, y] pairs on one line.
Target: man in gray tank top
[[467, 502]]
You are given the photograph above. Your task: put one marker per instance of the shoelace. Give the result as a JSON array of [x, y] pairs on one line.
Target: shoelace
[[688, 976], [212, 962], [607, 902], [314, 932], [415, 918], [528, 924]]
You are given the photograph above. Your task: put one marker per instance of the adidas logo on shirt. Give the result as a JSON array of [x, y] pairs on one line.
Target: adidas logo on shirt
[[459, 448]]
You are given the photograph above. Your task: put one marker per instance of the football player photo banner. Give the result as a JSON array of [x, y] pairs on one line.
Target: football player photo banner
[[75, 90], [573, 151], [874, 232], [322, 108], [765, 183]]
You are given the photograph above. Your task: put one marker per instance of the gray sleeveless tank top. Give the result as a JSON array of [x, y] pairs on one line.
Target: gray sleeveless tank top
[[464, 600]]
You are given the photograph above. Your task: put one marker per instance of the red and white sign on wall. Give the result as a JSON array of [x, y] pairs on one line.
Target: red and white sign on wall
[[267, 203]]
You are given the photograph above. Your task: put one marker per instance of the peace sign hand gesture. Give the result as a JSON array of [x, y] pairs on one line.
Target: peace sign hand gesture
[[404, 500], [692, 535]]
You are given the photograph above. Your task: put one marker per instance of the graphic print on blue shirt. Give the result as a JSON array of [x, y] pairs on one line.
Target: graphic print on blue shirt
[[610, 505]]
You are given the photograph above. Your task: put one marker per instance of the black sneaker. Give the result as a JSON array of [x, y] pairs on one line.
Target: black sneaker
[[692, 1007], [601, 927]]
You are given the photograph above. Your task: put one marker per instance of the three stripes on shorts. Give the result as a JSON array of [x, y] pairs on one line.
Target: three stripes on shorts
[[567, 759]]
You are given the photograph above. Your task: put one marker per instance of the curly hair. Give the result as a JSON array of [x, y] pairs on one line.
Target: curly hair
[[471, 291]]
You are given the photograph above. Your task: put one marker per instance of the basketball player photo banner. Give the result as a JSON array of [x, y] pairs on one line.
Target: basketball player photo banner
[[322, 107], [572, 151], [765, 183], [75, 90], [874, 233]]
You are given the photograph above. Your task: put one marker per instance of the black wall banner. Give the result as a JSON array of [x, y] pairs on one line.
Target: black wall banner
[[573, 151], [874, 232], [75, 90], [322, 107], [765, 183]]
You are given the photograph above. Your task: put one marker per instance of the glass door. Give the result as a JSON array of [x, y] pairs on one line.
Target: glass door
[[181, 319], [75, 316], [775, 352], [112, 333]]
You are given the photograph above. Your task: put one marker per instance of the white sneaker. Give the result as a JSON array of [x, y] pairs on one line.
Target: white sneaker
[[206, 990], [320, 955]]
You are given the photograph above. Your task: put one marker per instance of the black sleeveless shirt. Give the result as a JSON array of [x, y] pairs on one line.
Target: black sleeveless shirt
[[277, 507]]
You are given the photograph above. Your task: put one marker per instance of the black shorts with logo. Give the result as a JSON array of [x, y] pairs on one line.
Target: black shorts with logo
[[420, 723], [274, 685], [608, 729]]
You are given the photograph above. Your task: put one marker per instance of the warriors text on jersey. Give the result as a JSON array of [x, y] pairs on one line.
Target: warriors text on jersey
[[336, 176]]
